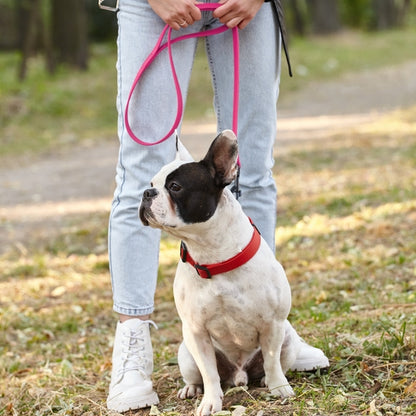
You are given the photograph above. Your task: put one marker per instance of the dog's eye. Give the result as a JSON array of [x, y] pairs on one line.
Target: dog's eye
[[174, 187]]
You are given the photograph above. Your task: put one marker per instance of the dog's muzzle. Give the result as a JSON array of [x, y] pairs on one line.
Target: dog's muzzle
[[150, 193], [145, 212]]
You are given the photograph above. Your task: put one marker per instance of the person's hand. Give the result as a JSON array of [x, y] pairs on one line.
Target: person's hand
[[176, 13], [239, 13]]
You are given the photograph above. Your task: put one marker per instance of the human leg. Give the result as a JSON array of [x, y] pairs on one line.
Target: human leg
[[259, 87], [133, 248]]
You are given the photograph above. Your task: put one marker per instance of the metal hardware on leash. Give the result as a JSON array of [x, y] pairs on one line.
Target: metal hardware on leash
[[114, 8], [236, 187], [177, 140]]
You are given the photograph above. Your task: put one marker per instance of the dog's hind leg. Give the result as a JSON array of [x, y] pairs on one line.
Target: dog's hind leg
[[290, 348], [190, 373]]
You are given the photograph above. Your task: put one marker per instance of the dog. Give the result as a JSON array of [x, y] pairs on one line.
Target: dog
[[234, 322]]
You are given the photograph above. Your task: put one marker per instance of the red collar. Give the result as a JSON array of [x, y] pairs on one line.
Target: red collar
[[206, 271]]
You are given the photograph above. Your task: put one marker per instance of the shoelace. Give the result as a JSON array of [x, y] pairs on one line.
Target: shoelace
[[134, 351]]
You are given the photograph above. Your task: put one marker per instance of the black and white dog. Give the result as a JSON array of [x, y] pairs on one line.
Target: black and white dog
[[231, 293]]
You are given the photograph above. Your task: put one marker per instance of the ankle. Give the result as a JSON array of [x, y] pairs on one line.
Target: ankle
[[124, 318]]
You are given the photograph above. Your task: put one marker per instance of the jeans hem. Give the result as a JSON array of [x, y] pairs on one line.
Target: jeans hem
[[133, 311]]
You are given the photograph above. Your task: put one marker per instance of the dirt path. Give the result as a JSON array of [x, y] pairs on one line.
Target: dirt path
[[37, 196]]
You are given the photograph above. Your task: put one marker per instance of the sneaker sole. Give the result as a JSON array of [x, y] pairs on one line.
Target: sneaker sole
[[310, 365], [120, 405]]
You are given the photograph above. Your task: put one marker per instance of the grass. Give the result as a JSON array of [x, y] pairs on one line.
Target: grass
[[45, 112], [329, 57], [346, 240], [346, 221]]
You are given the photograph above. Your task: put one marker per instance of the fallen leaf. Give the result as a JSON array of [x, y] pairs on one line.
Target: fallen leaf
[[22, 372], [373, 409], [154, 411], [82, 340], [411, 389], [234, 390], [239, 411], [364, 366], [58, 291], [322, 297], [105, 366], [340, 400]]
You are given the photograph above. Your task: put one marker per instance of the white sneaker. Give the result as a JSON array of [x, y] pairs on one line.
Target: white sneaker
[[131, 386], [309, 358]]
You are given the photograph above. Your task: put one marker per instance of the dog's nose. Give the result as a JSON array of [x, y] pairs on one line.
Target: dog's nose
[[150, 193]]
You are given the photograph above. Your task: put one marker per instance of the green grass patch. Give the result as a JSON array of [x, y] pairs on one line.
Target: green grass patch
[[46, 111], [327, 57]]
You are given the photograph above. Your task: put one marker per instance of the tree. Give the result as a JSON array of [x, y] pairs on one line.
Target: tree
[[33, 36], [296, 16], [389, 13], [325, 16], [69, 32], [56, 28]]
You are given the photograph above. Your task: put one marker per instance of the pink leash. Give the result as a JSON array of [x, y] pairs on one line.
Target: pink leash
[[160, 47]]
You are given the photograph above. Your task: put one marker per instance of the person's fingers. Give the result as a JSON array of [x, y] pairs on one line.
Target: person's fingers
[[194, 14]]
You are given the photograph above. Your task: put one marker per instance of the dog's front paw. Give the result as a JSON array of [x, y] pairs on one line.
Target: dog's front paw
[[209, 406], [190, 391], [283, 390]]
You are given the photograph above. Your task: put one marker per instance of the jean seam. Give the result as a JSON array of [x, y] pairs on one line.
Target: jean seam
[[116, 199], [214, 83]]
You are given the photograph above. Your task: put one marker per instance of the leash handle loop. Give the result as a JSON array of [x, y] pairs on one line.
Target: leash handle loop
[[159, 47]]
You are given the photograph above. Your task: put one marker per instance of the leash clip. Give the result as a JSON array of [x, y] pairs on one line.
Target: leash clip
[[236, 187], [103, 6], [184, 252]]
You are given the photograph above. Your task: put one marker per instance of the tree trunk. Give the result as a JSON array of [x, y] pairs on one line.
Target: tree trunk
[[298, 19], [69, 32], [30, 25], [325, 16], [389, 13]]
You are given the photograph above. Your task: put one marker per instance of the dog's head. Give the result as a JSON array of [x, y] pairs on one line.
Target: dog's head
[[188, 192]]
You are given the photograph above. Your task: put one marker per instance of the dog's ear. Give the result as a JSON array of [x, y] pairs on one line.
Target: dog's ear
[[221, 158]]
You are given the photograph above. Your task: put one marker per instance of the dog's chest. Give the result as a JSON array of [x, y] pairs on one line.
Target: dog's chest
[[233, 311]]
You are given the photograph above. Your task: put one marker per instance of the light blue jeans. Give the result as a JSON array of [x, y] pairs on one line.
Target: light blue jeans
[[133, 248]]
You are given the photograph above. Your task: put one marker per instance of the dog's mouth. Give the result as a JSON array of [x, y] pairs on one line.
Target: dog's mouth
[[145, 215]]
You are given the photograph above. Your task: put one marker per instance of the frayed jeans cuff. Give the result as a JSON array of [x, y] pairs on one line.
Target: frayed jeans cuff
[[133, 311]]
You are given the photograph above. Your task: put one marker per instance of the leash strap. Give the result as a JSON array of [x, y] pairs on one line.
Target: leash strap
[[159, 47]]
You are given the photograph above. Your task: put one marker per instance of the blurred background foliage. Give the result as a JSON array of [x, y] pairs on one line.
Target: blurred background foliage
[[63, 30], [57, 62]]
